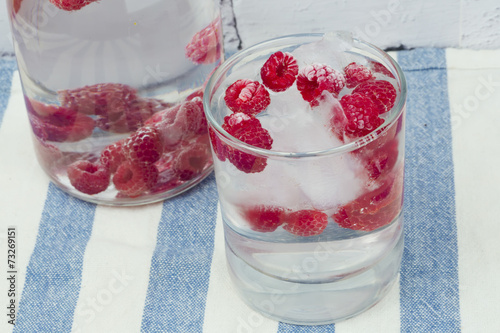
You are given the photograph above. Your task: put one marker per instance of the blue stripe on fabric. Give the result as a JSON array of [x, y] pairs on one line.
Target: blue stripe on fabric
[[180, 267], [7, 68], [53, 275], [287, 328], [429, 293]]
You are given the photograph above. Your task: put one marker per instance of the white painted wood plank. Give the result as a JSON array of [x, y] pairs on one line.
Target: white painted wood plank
[[480, 26], [385, 23]]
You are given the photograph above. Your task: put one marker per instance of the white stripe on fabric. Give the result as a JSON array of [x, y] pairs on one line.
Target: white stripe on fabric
[[19, 170], [225, 312], [116, 269], [474, 92]]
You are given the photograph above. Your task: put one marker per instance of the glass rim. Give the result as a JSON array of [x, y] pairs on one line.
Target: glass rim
[[347, 147]]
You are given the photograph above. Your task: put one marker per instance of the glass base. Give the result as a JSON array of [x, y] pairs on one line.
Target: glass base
[[315, 303]]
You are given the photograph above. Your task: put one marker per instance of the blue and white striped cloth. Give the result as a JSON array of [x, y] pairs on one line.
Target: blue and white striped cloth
[[161, 267]]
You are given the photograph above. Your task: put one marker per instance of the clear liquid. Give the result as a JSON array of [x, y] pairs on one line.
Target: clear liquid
[[315, 282], [140, 44]]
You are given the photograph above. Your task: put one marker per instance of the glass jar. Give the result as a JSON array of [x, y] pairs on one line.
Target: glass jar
[[113, 91]]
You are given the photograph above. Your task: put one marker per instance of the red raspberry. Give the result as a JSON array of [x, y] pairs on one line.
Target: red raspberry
[[264, 218], [373, 209], [191, 161], [362, 116], [313, 79], [306, 223], [219, 148], [59, 124], [133, 179], [247, 96], [377, 67], [382, 160], [191, 118], [355, 74], [166, 116], [112, 156], [89, 178], [205, 46], [381, 92], [144, 146], [250, 131], [133, 117], [70, 5], [279, 71], [99, 99]]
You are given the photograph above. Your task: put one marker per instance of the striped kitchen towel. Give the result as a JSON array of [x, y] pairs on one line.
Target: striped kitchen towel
[[82, 267]]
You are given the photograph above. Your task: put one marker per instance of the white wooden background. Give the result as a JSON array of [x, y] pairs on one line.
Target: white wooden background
[[387, 23]]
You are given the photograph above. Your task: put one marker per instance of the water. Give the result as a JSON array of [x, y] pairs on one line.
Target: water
[[315, 281], [351, 264], [142, 45]]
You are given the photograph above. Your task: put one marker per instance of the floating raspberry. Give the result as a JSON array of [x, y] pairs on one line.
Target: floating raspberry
[[247, 96], [306, 223], [89, 178], [70, 5], [362, 116], [377, 67], [191, 161], [373, 209], [133, 179], [219, 148], [264, 218], [205, 46], [54, 123], [99, 99], [249, 130], [355, 74], [144, 146], [191, 118], [166, 116], [381, 161], [313, 79], [112, 156], [279, 71], [381, 92], [133, 117]]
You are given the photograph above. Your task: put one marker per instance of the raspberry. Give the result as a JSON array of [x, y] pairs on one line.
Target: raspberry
[[377, 67], [112, 156], [191, 161], [313, 79], [205, 46], [373, 209], [279, 71], [132, 179], [306, 223], [381, 92], [362, 116], [191, 118], [382, 160], [89, 178], [134, 115], [59, 124], [166, 116], [355, 74], [219, 148], [144, 146], [99, 99], [250, 131], [247, 96], [70, 5], [264, 218]]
